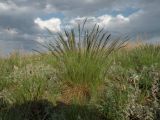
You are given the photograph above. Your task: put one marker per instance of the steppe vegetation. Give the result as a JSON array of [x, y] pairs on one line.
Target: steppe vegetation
[[89, 77]]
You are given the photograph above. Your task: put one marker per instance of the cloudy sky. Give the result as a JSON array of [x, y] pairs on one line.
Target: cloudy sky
[[23, 23]]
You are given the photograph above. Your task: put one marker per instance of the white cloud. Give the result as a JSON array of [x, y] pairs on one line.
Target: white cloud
[[8, 6], [40, 40], [111, 21], [107, 21], [104, 20], [52, 24], [4, 6]]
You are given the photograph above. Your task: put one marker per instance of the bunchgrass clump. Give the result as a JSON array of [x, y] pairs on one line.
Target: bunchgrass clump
[[82, 57]]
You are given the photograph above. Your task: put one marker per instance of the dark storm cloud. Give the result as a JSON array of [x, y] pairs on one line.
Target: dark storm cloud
[[17, 17], [87, 7]]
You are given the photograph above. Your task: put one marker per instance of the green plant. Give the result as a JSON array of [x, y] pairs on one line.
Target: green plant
[[82, 56]]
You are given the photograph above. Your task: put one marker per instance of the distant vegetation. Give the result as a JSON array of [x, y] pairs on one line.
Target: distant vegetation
[[89, 77]]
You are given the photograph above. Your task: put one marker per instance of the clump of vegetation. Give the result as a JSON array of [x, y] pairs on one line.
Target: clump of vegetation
[[82, 59]]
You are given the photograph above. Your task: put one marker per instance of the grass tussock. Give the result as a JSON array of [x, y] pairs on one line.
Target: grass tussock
[[82, 59]]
